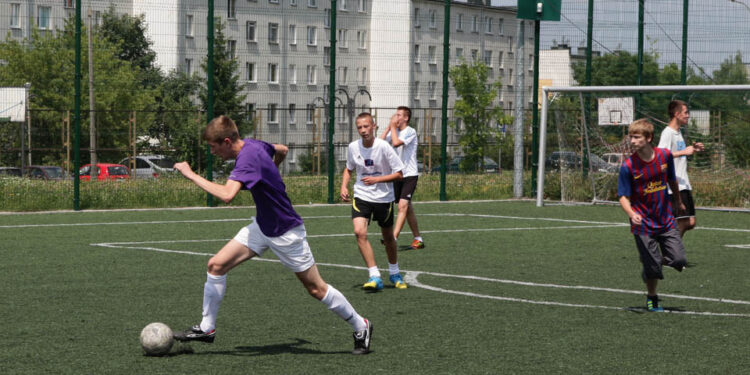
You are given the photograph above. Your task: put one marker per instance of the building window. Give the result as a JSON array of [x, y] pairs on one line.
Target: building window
[[250, 110], [69, 3], [342, 5], [312, 36], [416, 89], [488, 58], [342, 39], [500, 26], [431, 53], [431, 89], [189, 66], [231, 10], [250, 31], [250, 72], [361, 39], [312, 3], [231, 48], [326, 56], [342, 75], [475, 24], [189, 32], [273, 1], [311, 75], [273, 115], [474, 55], [459, 55], [488, 25], [310, 113], [432, 18], [293, 3], [500, 59], [273, 73], [98, 18], [42, 18], [292, 74], [15, 15], [416, 54], [416, 18], [327, 19], [362, 6], [273, 33], [292, 113], [363, 77], [293, 35], [460, 22]]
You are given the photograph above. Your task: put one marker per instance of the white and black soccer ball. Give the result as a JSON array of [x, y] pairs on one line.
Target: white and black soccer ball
[[157, 339]]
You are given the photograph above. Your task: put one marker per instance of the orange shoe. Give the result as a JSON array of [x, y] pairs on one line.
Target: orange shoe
[[417, 244]]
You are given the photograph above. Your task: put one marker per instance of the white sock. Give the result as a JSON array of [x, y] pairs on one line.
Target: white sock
[[336, 302], [393, 269], [418, 238], [374, 271], [213, 294]]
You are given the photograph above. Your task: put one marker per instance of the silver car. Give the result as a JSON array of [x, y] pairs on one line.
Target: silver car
[[150, 166]]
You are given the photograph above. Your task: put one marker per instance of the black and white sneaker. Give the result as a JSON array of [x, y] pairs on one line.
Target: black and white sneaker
[[362, 339], [195, 333]]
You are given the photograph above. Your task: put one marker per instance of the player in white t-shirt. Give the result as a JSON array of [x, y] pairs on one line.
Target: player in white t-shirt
[[671, 139], [403, 138], [377, 165]]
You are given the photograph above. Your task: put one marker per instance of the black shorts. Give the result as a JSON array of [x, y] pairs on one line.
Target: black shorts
[[404, 189], [687, 200], [381, 212]]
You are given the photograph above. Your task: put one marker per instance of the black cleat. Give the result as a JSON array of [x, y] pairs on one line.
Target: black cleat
[[362, 339], [195, 333]]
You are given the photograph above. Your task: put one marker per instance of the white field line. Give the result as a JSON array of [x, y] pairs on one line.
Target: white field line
[[745, 246], [411, 278]]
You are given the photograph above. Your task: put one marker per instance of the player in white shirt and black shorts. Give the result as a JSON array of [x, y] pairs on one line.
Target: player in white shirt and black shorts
[[376, 165], [403, 138], [671, 138]]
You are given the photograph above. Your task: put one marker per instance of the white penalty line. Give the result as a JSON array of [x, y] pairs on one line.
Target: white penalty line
[[411, 279]]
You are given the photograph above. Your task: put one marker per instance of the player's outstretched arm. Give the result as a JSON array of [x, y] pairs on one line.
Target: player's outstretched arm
[[372, 180], [280, 153], [225, 192]]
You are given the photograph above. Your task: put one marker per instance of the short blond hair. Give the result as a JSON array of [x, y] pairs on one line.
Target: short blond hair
[[642, 127], [220, 128]]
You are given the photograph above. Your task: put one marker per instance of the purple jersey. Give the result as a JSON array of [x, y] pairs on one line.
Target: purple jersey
[[255, 169], [645, 183]]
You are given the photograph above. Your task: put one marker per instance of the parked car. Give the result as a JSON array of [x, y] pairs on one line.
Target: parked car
[[105, 171], [563, 160], [490, 166], [44, 172], [150, 166], [10, 172], [600, 165], [614, 158]]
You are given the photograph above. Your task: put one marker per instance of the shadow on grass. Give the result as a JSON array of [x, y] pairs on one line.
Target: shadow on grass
[[294, 347], [643, 310]]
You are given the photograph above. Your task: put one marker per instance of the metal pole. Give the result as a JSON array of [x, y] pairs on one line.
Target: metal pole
[[587, 98], [210, 95], [77, 112], [444, 109], [543, 135], [519, 121], [683, 72], [639, 76], [92, 102], [331, 105], [535, 103]]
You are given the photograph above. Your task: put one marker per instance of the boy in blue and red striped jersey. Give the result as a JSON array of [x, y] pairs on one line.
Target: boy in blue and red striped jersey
[[642, 188]]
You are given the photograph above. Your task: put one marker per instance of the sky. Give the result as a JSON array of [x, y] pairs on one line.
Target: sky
[[717, 29]]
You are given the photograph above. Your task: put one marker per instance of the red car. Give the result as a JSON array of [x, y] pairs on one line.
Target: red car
[[105, 171]]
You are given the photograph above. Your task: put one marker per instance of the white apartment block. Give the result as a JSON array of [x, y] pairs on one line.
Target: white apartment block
[[389, 49]]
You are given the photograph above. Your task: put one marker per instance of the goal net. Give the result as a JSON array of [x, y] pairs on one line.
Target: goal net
[[584, 140]]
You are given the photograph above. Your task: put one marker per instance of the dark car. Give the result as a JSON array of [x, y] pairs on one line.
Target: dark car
[[563, 160], [10, 172], [44, 172], [490, 166]]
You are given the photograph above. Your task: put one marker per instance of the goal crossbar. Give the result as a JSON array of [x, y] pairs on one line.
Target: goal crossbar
[[587, 89]]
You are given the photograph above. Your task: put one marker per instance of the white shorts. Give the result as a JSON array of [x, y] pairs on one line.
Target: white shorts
[[291, 247]]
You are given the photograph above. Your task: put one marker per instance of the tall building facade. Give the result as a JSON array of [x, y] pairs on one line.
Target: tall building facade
[[388, 53]]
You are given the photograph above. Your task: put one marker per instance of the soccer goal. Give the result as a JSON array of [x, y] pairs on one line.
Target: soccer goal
[[583, 138]]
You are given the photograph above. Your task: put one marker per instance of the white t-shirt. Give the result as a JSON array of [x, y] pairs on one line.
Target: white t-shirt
[[672, 140], [408, 151], [378, 160]]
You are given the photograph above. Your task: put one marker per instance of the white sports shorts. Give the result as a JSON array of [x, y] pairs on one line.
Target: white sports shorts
[[291, 247]]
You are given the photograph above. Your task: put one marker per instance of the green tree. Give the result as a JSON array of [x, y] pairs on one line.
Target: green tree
[[228, 91], [128, 33], [178, 119], [476, 109]]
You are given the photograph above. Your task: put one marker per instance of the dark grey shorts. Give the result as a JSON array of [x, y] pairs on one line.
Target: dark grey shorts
[[687, 200], [660, 249]]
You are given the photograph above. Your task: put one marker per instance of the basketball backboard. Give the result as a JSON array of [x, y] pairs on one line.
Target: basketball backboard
[[13, 103]]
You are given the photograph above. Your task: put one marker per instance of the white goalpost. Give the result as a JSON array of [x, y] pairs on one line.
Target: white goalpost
[[615, 112]]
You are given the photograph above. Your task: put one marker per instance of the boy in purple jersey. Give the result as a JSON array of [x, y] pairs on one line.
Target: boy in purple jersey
[[276, 226], [642, 188]]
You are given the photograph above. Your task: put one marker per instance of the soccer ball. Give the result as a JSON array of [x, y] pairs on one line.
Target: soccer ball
[[156, 339]]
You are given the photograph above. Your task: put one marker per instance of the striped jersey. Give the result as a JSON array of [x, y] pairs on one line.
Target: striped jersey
[[645, 184]]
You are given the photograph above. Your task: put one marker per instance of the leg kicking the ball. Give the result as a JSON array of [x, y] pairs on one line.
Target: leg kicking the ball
[[276, 226]]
